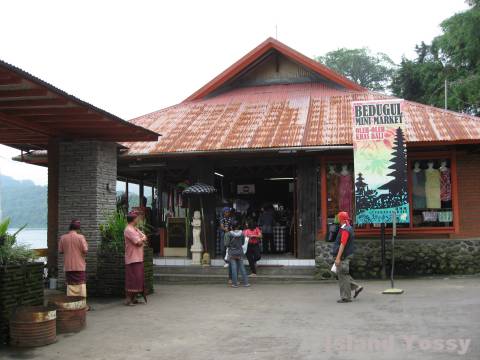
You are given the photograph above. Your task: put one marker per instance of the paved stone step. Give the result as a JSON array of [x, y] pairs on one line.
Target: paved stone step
[[222, 279], [219, 270]]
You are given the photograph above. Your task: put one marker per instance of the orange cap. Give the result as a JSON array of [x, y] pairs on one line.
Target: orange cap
[[343, 216]]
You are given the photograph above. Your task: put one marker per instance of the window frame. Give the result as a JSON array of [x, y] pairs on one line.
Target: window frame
[[411, 157]]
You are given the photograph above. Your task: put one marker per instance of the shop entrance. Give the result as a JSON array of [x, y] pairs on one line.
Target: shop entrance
[[266, 195]]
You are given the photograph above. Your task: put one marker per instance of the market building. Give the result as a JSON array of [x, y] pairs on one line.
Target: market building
[[275, 129]]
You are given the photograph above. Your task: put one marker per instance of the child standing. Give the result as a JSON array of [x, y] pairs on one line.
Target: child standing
[[234, 240]]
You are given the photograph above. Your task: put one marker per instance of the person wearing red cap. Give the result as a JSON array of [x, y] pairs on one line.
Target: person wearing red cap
[[343, 250], [134, 271], [74, 248]]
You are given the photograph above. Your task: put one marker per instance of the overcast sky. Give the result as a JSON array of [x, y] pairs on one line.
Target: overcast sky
[[134, 57]]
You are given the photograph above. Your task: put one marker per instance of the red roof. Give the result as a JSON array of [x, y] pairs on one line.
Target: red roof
[[281, 116], [263, 48]]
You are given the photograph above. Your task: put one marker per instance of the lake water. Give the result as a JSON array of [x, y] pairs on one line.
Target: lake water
[[35, 238]]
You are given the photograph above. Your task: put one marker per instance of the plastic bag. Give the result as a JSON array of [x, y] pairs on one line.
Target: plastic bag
[[245, 245]]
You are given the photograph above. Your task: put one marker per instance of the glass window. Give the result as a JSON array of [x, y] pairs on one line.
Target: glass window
[[120, 187], [121, 197], [133, 196], [431, 193], [340, 189], [147, 192]]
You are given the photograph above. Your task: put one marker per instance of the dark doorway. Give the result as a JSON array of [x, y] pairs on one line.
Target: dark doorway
[[253, 190]]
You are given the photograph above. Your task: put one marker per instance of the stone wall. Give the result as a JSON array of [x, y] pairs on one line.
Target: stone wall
[[19, 285], [87, 182], [412, 258]]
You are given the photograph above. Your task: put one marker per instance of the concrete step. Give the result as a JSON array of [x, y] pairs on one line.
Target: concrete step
[[220, 270], [218, 275], [222, 279]]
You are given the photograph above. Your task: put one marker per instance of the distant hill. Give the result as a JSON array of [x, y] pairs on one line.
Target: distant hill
[[26, 203], [23, 202]]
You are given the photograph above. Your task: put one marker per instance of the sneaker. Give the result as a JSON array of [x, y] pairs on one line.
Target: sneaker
[[253, 275], [357, 291], [246, 285], [340, 301], [234, 286]]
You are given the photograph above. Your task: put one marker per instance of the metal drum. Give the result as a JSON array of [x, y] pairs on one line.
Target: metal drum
[[33, 326], [71, 312]]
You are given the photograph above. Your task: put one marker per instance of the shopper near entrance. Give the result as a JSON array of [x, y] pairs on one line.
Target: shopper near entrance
[[343, 250], [254, 234], [225, 227], [135, 240], [266, 221], [74, 248], [234, 240]]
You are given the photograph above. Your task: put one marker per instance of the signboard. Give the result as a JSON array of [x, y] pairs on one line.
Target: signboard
[[246, 189], [380, 162]]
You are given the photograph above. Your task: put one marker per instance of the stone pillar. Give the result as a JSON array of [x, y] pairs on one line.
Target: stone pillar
[[86, 191]]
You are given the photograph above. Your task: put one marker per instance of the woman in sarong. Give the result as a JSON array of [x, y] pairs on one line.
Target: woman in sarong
[[134, 271], [74, 248]]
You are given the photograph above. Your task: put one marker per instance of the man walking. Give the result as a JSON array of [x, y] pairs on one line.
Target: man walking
[[74, 248], [343, 250]]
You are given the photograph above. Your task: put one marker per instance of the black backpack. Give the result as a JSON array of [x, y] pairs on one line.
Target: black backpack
[[332, 231]]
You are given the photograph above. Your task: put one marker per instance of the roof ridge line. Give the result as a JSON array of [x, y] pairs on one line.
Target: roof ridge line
[[269, 44]]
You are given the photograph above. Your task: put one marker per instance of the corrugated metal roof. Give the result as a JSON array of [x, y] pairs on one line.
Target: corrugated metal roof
[[254, 55], [280, 116]]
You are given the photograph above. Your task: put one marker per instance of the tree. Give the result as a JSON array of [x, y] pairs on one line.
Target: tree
[[372, 71], [453, 56]]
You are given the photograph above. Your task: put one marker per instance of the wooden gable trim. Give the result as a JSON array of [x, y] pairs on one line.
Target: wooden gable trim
[[259, 51]]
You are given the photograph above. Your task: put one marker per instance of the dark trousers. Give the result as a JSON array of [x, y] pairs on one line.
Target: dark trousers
[[253, 255], [267, 242], [345, 280]]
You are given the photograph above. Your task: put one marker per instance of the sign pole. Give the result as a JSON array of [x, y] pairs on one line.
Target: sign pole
[[382, 250], [393, 290]]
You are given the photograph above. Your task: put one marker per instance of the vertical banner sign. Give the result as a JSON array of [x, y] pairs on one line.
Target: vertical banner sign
[[380, 162]]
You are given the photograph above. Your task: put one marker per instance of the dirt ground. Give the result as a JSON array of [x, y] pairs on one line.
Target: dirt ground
[[433, 319]]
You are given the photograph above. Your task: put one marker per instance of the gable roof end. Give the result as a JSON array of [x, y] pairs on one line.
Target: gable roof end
[[252, 56]]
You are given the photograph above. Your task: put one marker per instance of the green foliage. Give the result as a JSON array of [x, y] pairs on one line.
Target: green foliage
[[453, 56], [112, 232], [418, 79], [10, 252], [372, 71], [459, 45], [23, 202]]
